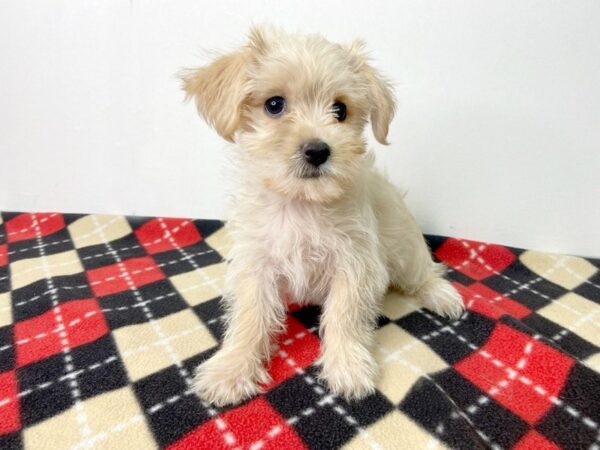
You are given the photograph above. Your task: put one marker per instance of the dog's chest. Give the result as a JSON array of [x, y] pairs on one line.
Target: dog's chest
[[300, 244], [295, 230]]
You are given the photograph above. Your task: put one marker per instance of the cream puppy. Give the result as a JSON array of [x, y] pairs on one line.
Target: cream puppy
[[311, 217]]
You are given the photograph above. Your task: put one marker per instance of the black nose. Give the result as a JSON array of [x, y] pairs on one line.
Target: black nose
[[316, 153]]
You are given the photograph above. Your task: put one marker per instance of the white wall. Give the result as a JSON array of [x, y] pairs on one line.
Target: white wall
[[497, 137]]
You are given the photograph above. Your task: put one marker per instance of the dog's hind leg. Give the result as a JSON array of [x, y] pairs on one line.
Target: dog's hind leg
[[415, 273], [410, 265]]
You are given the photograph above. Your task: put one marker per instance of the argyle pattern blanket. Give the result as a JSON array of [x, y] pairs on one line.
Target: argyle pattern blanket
[[104, 318]]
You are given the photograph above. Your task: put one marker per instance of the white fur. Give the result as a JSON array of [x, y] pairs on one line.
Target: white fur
[[339, 240]]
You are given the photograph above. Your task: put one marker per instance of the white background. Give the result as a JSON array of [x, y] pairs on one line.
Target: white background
[[497, 136]]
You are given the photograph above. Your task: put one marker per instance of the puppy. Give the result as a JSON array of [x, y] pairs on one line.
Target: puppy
[[311, 218]]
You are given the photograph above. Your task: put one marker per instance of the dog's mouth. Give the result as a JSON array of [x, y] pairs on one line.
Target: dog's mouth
[[308, 172], [301, 169], [315, 174]]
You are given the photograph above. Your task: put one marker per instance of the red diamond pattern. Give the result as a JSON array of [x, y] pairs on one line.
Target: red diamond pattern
[[40, 337], [27, 226], [474, 259], [3, 254], [9, 403], [116, 277], [542, 374], [161, 235], [300, 349], [535, 441], [253, 425], [490, 303]]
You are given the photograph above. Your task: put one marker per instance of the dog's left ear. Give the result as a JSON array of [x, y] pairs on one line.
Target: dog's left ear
[[220, 89], [381, 94]]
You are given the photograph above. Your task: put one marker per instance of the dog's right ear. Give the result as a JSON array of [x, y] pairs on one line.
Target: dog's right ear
[[219, 91], [221, 88]]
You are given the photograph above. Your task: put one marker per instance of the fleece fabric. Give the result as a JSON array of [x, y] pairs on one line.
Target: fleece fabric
[[104, 318]]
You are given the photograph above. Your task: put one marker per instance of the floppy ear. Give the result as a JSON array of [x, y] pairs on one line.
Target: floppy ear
[[221, 88], [380, 92], [219, 91]]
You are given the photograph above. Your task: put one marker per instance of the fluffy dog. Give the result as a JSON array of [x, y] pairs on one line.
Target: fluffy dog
[[311, 218]]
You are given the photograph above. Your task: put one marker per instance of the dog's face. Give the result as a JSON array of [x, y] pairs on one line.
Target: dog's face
[[297, 105]]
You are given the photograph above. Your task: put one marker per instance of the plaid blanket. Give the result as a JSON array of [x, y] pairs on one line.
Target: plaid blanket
[[104, 318]]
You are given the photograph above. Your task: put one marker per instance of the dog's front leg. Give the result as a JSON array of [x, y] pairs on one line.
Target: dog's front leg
[[255, 313], [347, 330]]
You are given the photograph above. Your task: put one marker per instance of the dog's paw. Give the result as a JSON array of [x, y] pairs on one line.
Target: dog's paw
[[442, 298], [225, 380], [352, 378]]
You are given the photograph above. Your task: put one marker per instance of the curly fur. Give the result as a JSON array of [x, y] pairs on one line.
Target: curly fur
[[338, 240]]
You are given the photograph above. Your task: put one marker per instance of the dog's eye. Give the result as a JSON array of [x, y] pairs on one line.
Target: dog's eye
[[275, 105], [339, 110]]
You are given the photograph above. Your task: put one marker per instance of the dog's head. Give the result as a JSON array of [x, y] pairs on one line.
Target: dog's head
[[297, 105]]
